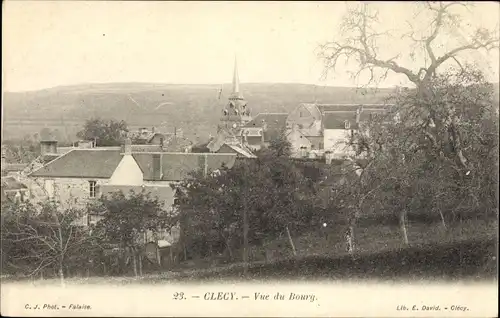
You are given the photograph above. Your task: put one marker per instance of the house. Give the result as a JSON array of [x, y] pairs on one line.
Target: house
[[262, 129], [77, 176], [316, 129]]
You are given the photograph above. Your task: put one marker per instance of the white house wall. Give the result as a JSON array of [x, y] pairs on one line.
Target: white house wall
[[127, 172], [335, 140]]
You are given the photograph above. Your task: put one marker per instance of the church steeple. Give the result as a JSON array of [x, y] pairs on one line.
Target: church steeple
[[236, 81], [236, 113]]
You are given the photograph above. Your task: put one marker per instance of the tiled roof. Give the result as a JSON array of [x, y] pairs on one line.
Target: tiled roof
[[273, 120], [349, 107], [177, 166], [164, 193], [11, 184], [48, 158], [336, 120], [313, 109], [276, 122], [82, 163]]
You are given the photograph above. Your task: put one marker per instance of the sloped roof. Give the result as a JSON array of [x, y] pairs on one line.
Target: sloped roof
[[273, 120], [177, 166], [163, 193], [82, 163], [46, 158], [349, 107], [313, 109], [336, 119], [11, 184], [242, 150]]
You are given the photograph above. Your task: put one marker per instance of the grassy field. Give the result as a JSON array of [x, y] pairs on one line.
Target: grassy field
[[466, 251], [471, 260]]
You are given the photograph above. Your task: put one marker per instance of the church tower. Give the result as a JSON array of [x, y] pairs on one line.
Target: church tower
[[236, 113]]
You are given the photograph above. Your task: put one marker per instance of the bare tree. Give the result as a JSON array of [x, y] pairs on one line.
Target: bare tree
[[48, 236], [360, 41]]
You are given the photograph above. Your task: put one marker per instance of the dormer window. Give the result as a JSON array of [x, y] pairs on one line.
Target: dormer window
[[347, 124]]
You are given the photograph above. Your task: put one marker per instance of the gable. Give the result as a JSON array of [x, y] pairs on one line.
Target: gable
[[127, 172]]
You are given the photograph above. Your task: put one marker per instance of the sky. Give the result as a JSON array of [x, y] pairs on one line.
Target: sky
[[47, 44]]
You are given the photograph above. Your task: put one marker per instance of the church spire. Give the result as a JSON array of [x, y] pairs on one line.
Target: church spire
[[236, 80]]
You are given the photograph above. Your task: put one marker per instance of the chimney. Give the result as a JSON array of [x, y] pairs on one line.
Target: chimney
[[203, 163], [358, 114], [157, 166], [127, 146], [48, 147]]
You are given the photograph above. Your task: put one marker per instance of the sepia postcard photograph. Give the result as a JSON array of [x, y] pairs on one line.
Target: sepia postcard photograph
[[249, 159]]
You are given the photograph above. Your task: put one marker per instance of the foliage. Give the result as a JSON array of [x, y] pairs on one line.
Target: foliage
[[414, 172], [124, 219], [23, 150], [271, 189], [104, 132]]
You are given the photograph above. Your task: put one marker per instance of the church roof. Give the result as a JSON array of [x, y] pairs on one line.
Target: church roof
[[273, 120]]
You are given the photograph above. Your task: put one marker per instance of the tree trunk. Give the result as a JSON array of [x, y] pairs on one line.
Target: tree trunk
[[350, 240], [228, 247], [61, 273], [402, 224], [291, 241], [134, 261], [140, 264], [245, 237]]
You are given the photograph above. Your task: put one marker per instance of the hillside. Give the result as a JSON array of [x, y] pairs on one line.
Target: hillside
[[194, 108]]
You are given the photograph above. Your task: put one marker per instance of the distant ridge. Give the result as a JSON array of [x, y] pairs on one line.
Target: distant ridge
[[192, 107]]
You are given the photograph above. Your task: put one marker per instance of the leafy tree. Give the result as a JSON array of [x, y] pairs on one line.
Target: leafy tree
[[125, 219], [423, 155], [270, 192], [410, 174], [104, 132]]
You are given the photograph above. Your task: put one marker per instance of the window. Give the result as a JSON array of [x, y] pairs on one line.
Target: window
[[92, 189], [347, 124], [49, 188]]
